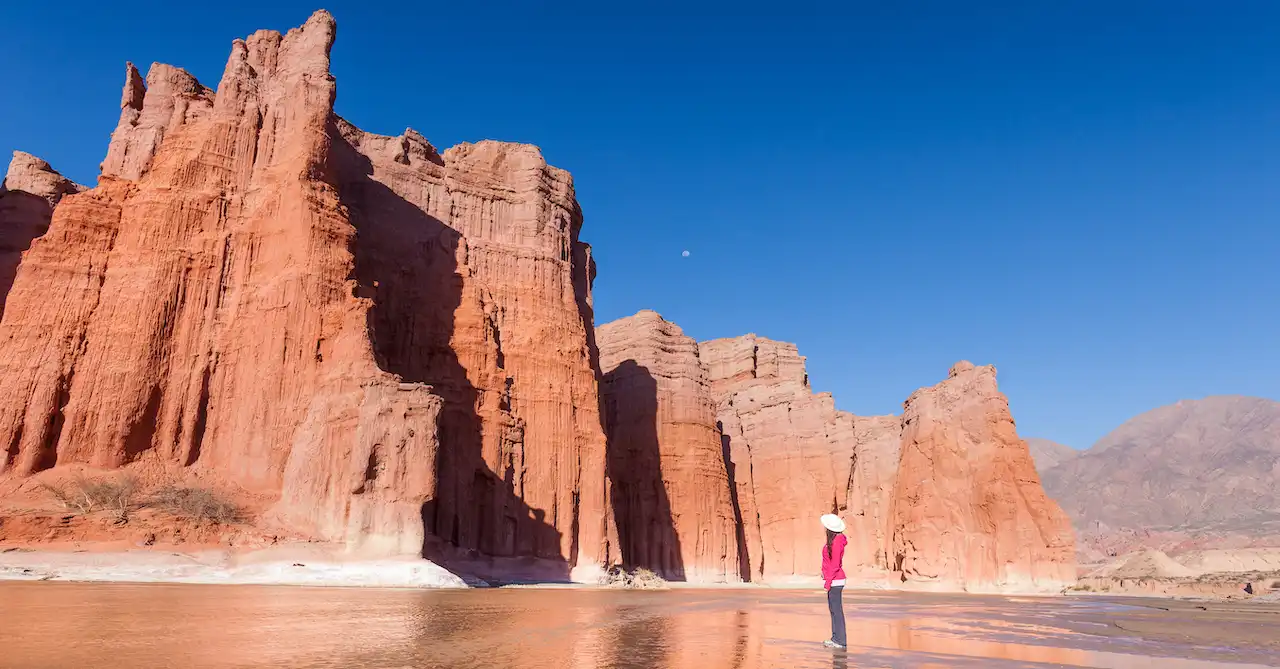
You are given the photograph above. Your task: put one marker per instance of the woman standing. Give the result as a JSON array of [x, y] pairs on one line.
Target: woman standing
[[833, 578]]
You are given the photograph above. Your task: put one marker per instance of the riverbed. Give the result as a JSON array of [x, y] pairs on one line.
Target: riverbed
[[140, 626]]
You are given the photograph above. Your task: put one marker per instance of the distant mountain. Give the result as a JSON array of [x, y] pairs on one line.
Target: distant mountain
[[1210, 464], [1048, 454]]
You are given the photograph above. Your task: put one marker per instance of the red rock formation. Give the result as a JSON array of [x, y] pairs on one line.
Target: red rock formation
[[736, 362], [28, 195], [968, 509], [396, 345], [259, 291], [204, 315], [474, 263], [790, 452], [170, 99], [870, 491], [670, 492]]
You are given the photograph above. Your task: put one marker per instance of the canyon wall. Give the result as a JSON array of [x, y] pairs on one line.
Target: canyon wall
[[194, 310], [968, 509], [394, 347], [872, 476], [28, 195], [259, 291], [944, 497], [473, 263], [672, 504], [790, 451]]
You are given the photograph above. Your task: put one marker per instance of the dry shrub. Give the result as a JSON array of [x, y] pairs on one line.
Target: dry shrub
[[199, 504], [116, 495], [645, 579], [639, 579]]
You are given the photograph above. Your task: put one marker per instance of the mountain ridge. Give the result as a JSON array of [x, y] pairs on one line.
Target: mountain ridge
[[1206, 464]]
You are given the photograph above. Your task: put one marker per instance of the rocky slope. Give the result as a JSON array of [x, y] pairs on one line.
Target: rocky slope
[[259, 291], [967, 506], [670, 491], [28, 195], [1047, 454], [1210, 465]]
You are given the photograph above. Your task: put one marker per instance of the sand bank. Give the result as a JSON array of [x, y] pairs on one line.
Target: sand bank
[[276, 566]]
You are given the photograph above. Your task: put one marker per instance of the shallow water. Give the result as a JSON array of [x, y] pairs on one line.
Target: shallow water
[[45, 625]]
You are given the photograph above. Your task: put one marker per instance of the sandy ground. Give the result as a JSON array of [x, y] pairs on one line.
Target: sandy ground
[[286, 565], [319, 564], [1222, 574]]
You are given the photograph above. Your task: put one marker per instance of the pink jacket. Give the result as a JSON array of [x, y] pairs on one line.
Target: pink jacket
[[832, 561]]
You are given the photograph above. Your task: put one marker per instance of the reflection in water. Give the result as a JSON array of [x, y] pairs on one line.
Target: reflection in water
[[48, 625]]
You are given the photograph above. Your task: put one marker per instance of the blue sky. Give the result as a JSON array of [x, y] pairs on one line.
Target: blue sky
[[1083, 194]]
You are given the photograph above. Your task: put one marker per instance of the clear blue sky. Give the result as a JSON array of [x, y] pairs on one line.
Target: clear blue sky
[[1086, 194]]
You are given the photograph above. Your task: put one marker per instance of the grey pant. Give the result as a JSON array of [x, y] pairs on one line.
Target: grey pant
[[835, 602]]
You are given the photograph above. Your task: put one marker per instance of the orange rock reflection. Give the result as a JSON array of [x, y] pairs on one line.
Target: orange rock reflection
[[48, 625]]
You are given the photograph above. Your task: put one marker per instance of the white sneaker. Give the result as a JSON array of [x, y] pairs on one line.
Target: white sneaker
[[831, 644]]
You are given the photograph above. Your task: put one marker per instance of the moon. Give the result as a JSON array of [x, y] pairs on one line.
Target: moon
[[684, 254]]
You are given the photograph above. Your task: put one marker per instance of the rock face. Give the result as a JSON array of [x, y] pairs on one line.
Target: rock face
[[170, 98], [873, 473], [1048, 454], [473, 261], [206, 319], [968, 510], [260, 291], [670, 491], [790, 452], [394, 346], [28, 195]]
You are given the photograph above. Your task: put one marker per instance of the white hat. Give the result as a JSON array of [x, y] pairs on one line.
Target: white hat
[[832, 522]]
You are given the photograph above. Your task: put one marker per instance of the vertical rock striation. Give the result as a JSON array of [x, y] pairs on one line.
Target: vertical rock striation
[[28, 194], [872, 475], [946, 496], [259, 290], [790, 452], [968, 509], [670, 492], [482, 289], [204, 317], [396, 344], [170, 99]]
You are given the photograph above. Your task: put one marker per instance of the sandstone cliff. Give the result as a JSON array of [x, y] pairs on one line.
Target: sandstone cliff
[[28, 195], [872, 475], [474, 265], [790, 452], [259, 291], [968, 510], [670, 492], [392, 348]]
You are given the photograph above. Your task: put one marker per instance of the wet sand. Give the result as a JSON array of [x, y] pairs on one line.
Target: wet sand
[[140, 626]]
